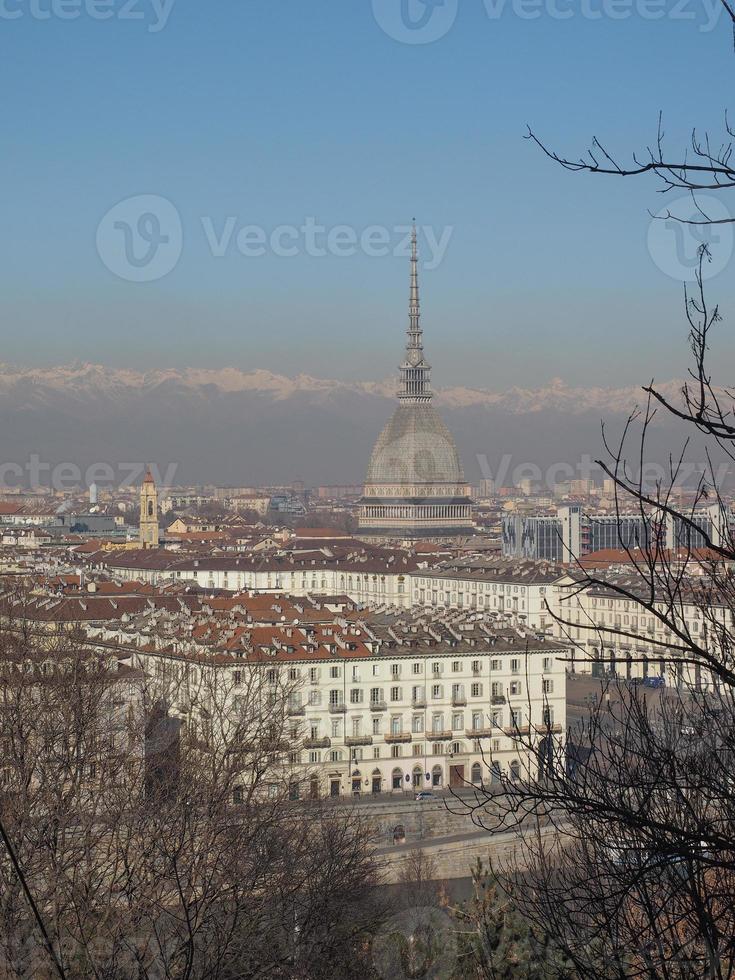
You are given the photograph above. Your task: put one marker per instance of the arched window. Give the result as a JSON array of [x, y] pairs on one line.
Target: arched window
[[436, 776], [515, 770], [150, 508], [397, 778], [418, 777], [456, 748], [477, 774]]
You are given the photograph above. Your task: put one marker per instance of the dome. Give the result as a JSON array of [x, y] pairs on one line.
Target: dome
[[415, 447]]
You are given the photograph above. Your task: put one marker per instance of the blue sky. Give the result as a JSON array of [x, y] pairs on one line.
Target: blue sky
[[270, 112]]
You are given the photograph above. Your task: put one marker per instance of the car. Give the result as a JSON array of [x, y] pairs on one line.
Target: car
[[654, 682], [425, 794]]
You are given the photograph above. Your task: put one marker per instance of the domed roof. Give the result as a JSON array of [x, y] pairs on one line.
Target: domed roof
[[415, 447]]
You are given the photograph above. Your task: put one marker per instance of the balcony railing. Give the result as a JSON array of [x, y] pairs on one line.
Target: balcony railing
[[296, 710], [359, 740], [459, 701], [398, 737], [338, 708], [480, 732], [437, 736], [317, 743], [378, 706], [497, 699], [418, 702]]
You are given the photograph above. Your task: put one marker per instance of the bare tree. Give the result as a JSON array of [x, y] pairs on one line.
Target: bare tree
[[149, 825], [638, 878]]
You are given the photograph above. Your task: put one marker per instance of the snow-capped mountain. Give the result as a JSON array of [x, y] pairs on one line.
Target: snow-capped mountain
[[230, 426]]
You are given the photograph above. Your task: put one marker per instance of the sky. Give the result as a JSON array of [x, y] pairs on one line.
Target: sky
[[230, 183]]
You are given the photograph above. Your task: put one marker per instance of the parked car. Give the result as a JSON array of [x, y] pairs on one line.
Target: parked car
[[425, 794], [654, 682]]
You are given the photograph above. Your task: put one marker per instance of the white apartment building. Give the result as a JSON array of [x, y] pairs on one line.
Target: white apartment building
[[394, 703], [597, 619]]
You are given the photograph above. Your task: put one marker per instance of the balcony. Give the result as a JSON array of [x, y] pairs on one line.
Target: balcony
[[338, 709], [480, 732], [418, 702], [359, 740], [392, 737], [296, 710], [378, 706], [459, 701], [438, 736], [497, 699], [317, 743]]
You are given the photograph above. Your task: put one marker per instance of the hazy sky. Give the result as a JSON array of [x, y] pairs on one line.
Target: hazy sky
[[275, 113]]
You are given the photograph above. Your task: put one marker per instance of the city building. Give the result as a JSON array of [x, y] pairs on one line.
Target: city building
[[415, 485], [571, 532]]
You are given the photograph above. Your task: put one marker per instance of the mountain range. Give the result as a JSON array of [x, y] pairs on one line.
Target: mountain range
[[229, 426]]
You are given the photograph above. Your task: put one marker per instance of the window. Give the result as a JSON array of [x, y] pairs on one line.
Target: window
[[374, 695], [515, 687], [548, 716], [335, 696], [376, 726], [272, 675], [395, 751], [395, 694], [436, 691], [456, 666], [418, 749], [457, 721], [476, 720], [476, 690], [515, 666], [395, 725], [515, 717], [548, 687], [416, 668], [376, 670], [237, 795], [356, 726], [475, 666], [335, 728], [356, 695], [395, 670], [237, 677], [334, 672], [436, 667], [548, 662], [293, 674], [497, 689]]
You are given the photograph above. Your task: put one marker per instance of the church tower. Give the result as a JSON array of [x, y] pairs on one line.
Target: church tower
[[148, 535]]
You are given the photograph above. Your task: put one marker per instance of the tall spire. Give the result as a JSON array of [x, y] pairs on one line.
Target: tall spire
[[415, 370]]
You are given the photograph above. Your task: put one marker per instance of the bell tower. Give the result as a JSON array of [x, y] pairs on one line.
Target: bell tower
[[148, 535]]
